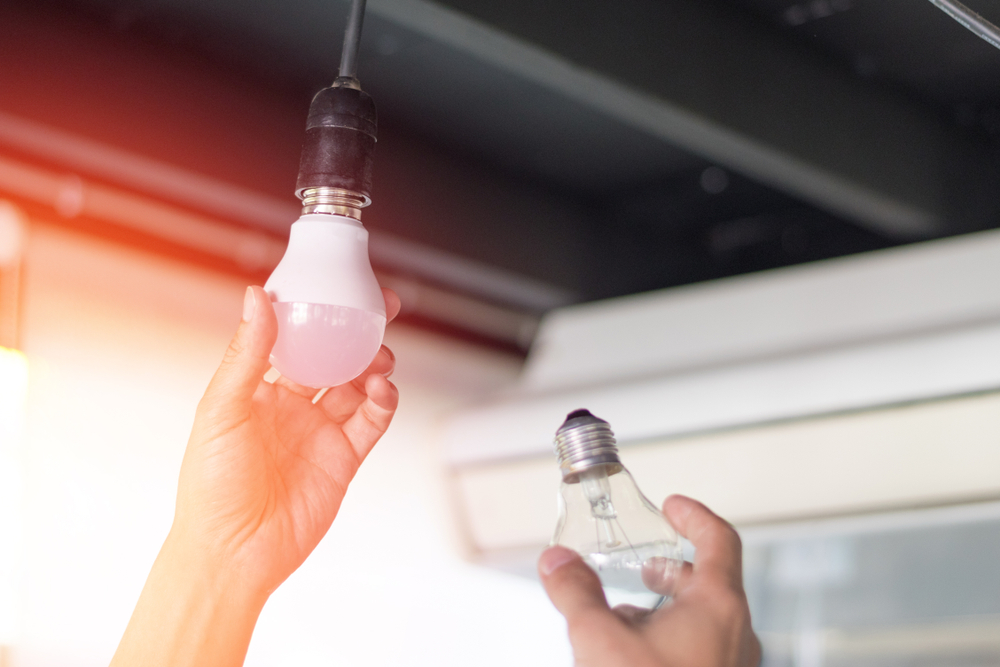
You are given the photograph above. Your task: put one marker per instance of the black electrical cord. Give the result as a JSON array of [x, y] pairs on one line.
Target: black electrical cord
[[971, 20], [352, 40], [335, 171]]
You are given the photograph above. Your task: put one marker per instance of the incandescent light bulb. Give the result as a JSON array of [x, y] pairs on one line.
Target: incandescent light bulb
[[605, 518]]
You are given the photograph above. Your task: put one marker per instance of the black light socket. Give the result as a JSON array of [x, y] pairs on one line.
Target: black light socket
[[339, 147]]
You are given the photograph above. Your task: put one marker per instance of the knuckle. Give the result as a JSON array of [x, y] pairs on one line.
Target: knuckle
[[370, 419], [234, 350], [732, 536], [731, 608], [719, 595]]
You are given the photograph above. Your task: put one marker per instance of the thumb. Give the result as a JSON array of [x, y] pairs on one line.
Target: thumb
[[572, 586], [245, 362]]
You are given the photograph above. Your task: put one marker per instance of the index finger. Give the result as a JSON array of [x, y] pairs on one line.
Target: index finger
[[718, 546], [392, 304]]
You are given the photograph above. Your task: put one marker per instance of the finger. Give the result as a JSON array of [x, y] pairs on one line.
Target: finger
[[245, 362], [717, 545], [572, 586], [341, 402], [630, 614], [384, 363], [371, 419], [755, 652], [660, 575], [392, 304], [684, 577], [296, 388]]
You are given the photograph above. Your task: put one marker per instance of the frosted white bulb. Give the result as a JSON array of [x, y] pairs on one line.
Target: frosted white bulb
[[331, 313], [605, 518]]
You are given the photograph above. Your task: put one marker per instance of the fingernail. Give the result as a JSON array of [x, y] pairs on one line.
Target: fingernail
[[392, 360], [249, 305], [555, 558]]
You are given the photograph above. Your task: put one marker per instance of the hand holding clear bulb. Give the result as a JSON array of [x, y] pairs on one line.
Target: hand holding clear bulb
[[605, 518], [706, 625], [616, 562]]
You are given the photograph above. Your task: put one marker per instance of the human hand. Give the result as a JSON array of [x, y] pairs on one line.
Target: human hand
[[706, 625], [267, 467], [263, 476]]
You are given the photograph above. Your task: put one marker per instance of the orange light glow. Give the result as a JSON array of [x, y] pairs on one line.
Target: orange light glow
[[13, 387]]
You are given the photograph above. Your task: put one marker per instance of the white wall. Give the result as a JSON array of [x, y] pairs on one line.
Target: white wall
[[120, 346]]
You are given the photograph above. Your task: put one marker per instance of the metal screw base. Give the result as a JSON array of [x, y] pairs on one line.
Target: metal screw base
[[585, 441], [334, 201]]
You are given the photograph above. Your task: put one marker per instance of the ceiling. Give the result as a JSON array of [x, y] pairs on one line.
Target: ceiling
[[684, 140]]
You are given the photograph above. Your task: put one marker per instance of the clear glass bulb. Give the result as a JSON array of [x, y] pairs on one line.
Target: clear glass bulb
[[605, 518], [330, 309]]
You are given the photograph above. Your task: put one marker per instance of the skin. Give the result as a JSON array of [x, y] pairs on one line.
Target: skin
[[263, 476], [706, 625]]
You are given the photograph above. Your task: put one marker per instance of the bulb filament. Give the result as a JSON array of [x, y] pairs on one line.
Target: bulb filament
[[597, 489]]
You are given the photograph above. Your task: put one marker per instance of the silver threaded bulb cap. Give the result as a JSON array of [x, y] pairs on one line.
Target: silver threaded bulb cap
[[585, 441], [334, 201]]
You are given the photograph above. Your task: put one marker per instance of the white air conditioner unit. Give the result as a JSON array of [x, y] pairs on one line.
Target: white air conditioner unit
[[849, 385]]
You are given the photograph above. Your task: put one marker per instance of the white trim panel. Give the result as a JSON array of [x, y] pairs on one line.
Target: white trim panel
[[892, 372], [874, 296], [918, 455]]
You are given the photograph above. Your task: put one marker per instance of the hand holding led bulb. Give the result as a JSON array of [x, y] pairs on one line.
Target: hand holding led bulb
[[267, 467], [263, 477]]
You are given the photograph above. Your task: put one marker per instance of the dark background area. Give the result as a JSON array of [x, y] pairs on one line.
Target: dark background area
[[546, 177]]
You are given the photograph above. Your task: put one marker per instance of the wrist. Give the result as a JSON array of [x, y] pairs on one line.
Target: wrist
[[193, 611], [215, 574]]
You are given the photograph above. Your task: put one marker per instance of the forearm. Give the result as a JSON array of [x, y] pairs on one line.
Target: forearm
[[189, 614]]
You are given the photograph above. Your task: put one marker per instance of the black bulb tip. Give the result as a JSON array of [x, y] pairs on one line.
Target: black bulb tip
[[578, 413]]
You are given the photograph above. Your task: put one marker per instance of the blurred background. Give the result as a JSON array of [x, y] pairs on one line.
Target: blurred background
[[760, 237]]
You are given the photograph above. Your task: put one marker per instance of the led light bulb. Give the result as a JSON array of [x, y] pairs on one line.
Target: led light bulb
[[605, 518], [331, 314]]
